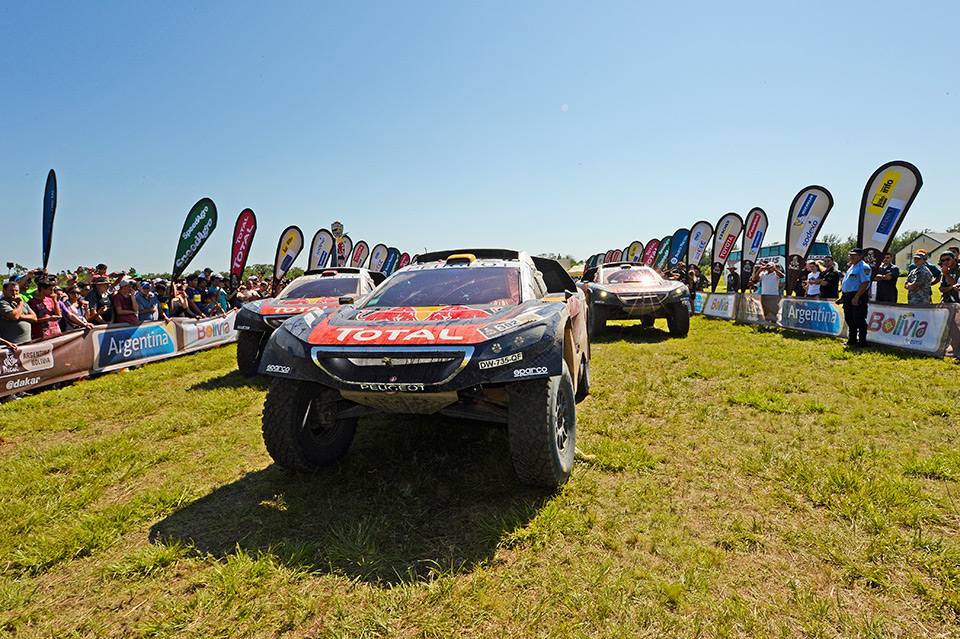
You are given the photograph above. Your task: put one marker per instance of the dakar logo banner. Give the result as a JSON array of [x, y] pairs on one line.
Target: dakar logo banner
[[678, 246], [49, 209], [343, 251], [700, 235], [886, 198], [807, 213], [243, 232], [812, 316], [200, 223], [288, 248], [754, 230], [320, 249], [26, 359], [919, 328], [724, 240]]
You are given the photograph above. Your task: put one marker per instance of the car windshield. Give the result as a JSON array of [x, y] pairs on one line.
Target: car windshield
[[449, 286], [642, 275], [322, 287]]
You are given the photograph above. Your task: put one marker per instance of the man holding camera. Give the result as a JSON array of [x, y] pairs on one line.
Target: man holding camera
[[769, 275]]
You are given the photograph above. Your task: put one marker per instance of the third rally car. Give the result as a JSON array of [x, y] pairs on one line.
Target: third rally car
[[627, 290]]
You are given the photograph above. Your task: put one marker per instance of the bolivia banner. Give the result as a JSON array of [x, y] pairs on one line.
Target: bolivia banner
[[320, 249], [243, 232], [49, 209], [807, 214], [360, 254], [754, 230], [678, 246], [728, 230], [886, 198], [288, 248], [700, 236], [200, 223], [650, 253]]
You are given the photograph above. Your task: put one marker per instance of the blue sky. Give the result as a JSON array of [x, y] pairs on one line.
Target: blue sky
[[546, 126]]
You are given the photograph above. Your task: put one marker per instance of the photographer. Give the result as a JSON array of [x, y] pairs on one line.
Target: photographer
[[768, 276]]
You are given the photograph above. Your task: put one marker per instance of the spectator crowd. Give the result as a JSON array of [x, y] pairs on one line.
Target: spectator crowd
[[39, 305]]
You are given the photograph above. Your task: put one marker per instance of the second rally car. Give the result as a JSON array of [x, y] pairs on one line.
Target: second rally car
[[484, 334]]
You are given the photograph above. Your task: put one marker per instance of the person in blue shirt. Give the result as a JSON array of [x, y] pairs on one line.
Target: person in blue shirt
[[854, 293]]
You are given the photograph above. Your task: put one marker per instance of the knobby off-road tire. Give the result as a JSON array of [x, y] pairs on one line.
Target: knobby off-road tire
[[542, 426], [597, 320], [678, 320], [647, 321], [298, 425], [249, 350]]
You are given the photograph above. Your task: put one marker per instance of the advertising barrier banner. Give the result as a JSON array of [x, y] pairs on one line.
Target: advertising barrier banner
[[80, 353], [720, 305], [917, 328], [811, 315]]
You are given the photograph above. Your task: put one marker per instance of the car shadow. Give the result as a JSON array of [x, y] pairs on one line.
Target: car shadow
[[633, 332], [413, 497], [233, 379]]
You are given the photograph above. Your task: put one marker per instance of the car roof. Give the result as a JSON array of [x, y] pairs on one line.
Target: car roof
[[319, 273], [555, 277]]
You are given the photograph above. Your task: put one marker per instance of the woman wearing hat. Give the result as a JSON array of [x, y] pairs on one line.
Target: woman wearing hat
[[125, 304]]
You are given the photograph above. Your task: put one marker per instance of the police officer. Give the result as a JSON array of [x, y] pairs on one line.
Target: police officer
[[854, 293]]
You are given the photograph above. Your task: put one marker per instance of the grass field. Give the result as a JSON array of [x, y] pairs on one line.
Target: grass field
[[742, 482]]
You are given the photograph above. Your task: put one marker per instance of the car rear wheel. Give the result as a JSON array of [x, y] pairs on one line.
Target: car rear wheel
[[299, 425], [678, 320], [249, 350], [598, 319], [542, 426]]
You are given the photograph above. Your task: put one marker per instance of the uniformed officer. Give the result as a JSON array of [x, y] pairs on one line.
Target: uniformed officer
[[854, 293]]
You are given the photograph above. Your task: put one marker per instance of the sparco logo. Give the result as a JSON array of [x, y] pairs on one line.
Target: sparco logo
[[526, 372], [405, 388], [276, 368]]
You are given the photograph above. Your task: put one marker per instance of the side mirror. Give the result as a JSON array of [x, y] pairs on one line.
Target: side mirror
[[347, 299]]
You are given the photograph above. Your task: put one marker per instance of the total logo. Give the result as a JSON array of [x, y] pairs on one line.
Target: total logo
[[526, 372], [394, 334]]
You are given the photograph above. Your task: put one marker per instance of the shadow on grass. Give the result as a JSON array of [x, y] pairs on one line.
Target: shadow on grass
[[413, 497], [233, 379], [634, 333]]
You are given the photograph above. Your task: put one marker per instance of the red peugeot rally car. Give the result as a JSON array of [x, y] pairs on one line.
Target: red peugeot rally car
[[627, 290], [312, 290], [484, 334]]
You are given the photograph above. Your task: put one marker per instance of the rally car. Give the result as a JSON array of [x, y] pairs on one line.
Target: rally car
[[627, 290], [312, 290], [482, 334]]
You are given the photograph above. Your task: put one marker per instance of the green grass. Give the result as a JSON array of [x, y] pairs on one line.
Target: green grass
[[742, 482]]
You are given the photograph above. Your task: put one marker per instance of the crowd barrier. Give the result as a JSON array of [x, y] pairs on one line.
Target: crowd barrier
[[102, 349], [933, 329]]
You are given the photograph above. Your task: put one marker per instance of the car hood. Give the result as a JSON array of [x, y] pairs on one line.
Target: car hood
[[417, 326]]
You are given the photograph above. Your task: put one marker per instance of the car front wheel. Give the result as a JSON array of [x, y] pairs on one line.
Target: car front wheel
[[678, 320], [542, 427], [300, 428], [249, 350]]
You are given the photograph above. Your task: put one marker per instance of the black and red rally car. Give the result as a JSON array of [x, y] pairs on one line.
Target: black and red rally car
[[484, 334], [627, 290], [311, 291]]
